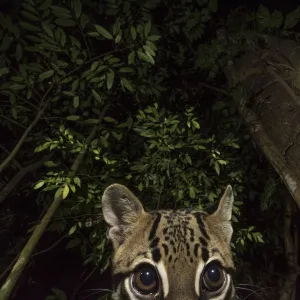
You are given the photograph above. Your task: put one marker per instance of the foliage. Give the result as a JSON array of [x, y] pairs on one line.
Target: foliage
[[167, 135]]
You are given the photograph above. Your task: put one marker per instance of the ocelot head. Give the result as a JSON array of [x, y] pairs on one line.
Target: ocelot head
[[168, 254]]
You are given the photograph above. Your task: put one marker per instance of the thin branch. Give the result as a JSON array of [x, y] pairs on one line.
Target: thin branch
[[27, 251], [18, 165], [82, 282], [98, 57], [12, 121], [19, 176], [51, 247], [84, 39], [28, 102], [43, 107], [8, 267], [222, 91]]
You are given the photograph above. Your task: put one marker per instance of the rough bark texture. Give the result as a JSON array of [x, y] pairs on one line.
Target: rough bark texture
[[269, 103], [288, 288]]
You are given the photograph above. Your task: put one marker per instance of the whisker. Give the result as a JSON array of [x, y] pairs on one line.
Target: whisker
[[92, 294], [101, 290], [248, 284], [252, 292]]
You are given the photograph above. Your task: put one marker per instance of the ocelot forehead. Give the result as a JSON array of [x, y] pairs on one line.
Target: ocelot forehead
[[179, 236], [179, 239]]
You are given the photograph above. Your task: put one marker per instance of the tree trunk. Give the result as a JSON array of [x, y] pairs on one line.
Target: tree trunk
[[266, 87]]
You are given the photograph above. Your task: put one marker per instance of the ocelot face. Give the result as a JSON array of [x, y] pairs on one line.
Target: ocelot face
[[168, 254]]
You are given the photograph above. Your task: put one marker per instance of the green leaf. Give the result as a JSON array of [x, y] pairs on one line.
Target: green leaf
[[93, 34], [75, 84], [213, 5], [127, 84], [217, 168], [84, 20], [5, 44], [292, 19], [76, 101], [131, 57], [77, 8], [192, 193], [109, 120], [118, 37], [60, 12], [45, 5], [133, 33], [146, 58], [72, 229], [148, 50], [30, 27], [116, 27], [60, 295], [48, 30], [129, 123], [188, 159], [46, 74], [147, 29], [153, 38], [103, 32], [104, 141], [17, 86], [110, 79], [77, 181], [73, 118], [29, 16], [50, 164], [92, 121], [4, 71], [65, 22], [96, 96], [126, 70], [196, 124], [39, 185], [73, 188], [73, 243], [65, 192], [276, 19]]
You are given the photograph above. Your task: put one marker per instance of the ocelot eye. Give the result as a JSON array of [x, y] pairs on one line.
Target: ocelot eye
[[145, 280], [213, 277]]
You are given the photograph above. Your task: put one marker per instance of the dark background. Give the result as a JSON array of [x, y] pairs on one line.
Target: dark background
[[63, 269]]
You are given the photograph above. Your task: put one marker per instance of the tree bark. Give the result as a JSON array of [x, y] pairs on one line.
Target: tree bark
[[287, 291], [265, 86], [27, 251]]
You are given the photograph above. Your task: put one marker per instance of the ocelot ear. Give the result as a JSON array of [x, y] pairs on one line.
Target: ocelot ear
[[120, 208], [222, 216]]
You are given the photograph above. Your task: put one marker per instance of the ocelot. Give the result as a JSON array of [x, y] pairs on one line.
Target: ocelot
[[168, 254]]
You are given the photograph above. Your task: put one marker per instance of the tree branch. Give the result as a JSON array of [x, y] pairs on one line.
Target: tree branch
[[27, 251], [12, 121], [44, 105], [19, 176], [18, 165]]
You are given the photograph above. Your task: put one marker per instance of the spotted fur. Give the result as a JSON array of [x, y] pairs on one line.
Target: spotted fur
[[179, 244]]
